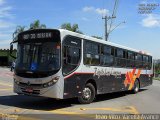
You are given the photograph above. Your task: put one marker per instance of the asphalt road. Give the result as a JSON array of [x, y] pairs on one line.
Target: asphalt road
[[26, 107]]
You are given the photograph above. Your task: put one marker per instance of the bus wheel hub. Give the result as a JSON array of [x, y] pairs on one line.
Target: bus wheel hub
[[86, 93]]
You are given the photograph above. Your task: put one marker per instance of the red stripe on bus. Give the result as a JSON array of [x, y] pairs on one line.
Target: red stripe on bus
[[76, 73], [92, 73]]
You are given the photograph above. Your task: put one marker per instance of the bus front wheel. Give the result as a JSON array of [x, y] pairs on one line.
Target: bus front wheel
[[88, 94]]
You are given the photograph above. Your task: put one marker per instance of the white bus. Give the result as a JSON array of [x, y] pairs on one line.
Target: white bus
[[62, 64]]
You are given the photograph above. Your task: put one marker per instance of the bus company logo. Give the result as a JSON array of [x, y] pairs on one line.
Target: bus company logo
[[131, 76], [105, 72]]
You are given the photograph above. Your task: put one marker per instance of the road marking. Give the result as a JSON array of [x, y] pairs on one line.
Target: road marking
[[6, 89], [8, 116], [129, 109], [63, 112], [77, 111], [27, 118], [6, 74], [9, 74], [59, 111], [4, 84], [133, 109], [15, 117]]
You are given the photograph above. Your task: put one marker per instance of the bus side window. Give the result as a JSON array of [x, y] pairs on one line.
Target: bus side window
[[150, 62], [147, 63], [71, 58], [144, 62], [119, 58], [71, 54], [106, 58], [95, 54], [65, 55], [139, 61], [88, 59], [124, 60], [87, 53], [130, 59], [91, 53]]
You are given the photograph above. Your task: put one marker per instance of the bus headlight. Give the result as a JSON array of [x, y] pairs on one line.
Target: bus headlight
[[53, 81], [16, 81]]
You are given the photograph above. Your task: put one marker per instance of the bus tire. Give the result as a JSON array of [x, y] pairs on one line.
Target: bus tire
[[88, 94], [136, 87]]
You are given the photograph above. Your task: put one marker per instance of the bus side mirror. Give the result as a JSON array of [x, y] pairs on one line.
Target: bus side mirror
[[11, 48], [11, 51]]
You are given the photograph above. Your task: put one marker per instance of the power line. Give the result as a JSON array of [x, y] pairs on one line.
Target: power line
[[114, 13], [107, 18]]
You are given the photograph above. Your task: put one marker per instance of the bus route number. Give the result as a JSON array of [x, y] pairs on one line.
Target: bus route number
[[37, 36]]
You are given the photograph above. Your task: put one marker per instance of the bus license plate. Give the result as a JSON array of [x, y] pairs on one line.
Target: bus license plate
[[30, 90]]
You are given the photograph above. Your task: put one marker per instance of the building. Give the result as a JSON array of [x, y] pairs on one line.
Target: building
[[5, 58], [157, 61]]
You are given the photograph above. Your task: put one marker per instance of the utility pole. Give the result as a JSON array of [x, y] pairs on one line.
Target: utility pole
[[106, 29], [154, 68], [106, 18]]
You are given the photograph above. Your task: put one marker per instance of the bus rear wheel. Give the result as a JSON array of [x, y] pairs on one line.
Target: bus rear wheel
[[88, 94], [136, 87]]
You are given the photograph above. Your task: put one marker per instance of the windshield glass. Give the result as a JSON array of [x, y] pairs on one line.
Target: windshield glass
[[38, 56]]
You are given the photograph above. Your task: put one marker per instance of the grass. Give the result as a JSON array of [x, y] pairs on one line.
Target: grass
[[157, 78]]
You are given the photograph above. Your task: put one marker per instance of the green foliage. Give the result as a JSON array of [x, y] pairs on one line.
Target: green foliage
[[73, 28], [157, 68], [157, 71], [97, 37], [5, 53], [18, 30], [37, 25], [156, 78]]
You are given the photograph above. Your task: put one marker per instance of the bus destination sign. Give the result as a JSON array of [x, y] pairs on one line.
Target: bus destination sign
[[31, 36]]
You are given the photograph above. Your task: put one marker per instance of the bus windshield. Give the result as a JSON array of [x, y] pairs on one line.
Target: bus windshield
[[38, 57]]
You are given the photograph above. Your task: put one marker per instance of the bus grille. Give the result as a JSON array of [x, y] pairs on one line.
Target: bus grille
[[35, 92], [31, 85]]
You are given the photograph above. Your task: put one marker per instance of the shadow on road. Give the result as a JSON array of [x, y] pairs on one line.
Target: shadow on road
[[110, 96], [38, 103], [35, 103]]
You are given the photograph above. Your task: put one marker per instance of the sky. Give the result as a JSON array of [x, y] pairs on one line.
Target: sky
[[140, 31]]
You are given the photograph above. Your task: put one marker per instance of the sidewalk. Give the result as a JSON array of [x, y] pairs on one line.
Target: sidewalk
[[156, 83]]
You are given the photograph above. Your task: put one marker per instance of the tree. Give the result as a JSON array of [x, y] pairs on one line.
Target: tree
[[37, 25], [73, 28], [97, 37], [18, 30], [157, 68]]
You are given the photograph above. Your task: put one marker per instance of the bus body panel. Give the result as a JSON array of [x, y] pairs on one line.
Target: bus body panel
[[104, 84]]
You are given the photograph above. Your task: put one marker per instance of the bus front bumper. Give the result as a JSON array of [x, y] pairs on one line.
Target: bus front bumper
[[51, 92]]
